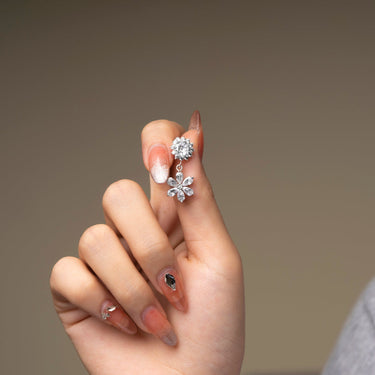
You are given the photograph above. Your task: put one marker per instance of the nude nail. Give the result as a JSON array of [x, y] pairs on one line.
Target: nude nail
[[195, 121], [196, 124], [159, 163], [157, 324], [170, 338], [115, 316], [171, 285]]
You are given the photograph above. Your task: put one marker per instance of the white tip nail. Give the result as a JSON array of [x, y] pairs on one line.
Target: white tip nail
[[159, 172]]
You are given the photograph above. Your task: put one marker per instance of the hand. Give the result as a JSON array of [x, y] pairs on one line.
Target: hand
[[116, 306]]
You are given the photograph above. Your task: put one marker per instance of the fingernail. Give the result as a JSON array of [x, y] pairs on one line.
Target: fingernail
[[196, 124], [115, 316], [195, 121], [172, 287], [157, 324], [170, 338], [159, 163]]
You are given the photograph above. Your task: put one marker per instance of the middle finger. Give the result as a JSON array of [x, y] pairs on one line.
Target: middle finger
[[127, 206]]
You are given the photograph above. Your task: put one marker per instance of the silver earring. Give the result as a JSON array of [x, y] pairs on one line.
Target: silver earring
[[182, 149]]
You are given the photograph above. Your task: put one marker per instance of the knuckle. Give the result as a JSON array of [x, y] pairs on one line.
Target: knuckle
[[119, 191], [92, 236], [152, 251], [85, 290], [154, 125], [69, 282], [160, 126], [133, 292], [59, 272]]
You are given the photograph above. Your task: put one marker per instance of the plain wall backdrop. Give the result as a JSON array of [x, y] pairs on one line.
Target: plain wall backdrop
[[286, 92]]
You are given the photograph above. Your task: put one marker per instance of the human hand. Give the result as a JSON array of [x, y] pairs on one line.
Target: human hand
[[149, 328]]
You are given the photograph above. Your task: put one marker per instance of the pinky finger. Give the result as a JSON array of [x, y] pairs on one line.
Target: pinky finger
[[74, 288]]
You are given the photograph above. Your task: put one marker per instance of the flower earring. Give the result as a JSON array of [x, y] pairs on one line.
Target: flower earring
[[182, 149]]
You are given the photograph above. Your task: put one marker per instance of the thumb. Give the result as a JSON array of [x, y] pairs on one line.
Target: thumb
[[202, 224]]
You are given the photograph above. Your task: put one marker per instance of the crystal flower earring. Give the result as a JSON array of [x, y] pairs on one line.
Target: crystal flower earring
[[182, 149]]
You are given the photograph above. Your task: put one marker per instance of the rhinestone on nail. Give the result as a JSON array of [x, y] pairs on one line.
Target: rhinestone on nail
[[106, 314], [170, 281]]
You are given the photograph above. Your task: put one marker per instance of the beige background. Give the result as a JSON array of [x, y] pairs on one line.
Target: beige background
[[286, 92]]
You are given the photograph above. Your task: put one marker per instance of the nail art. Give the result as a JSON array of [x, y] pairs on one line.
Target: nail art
[[159, 163], [171, 285], [106, 313], [115, 316], [170, 281], [157, 324]]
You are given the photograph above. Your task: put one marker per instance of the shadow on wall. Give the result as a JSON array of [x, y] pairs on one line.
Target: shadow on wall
[[285, 373]]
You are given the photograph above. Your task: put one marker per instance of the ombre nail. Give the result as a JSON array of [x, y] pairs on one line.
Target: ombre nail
[[158, 163], [157, 324], [115, 316], [172, 287]]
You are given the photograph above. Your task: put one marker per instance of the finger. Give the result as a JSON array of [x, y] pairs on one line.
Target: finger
[[73, 284], [203, 226], [101, 249], [125, 245], [127, 206], [157, 136]]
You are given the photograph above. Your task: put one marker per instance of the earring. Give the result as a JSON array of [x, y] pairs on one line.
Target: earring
[[182, 149]]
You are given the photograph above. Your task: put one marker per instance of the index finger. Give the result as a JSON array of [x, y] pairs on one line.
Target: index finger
[[157, 136]]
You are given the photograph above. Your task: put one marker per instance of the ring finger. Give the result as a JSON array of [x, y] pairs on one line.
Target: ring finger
[[127, 206], [72, 284], [102, 251]]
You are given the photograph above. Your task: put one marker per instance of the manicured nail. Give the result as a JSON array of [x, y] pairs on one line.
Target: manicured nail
[[171, 285], [115, 316], [157, 324], [159, 163], [195, 121], [196, 124]]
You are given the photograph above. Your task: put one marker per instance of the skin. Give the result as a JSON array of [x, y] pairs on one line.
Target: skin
[[121, 261]]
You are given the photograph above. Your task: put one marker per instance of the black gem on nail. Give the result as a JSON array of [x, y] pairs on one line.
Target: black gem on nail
[[170, 281]]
